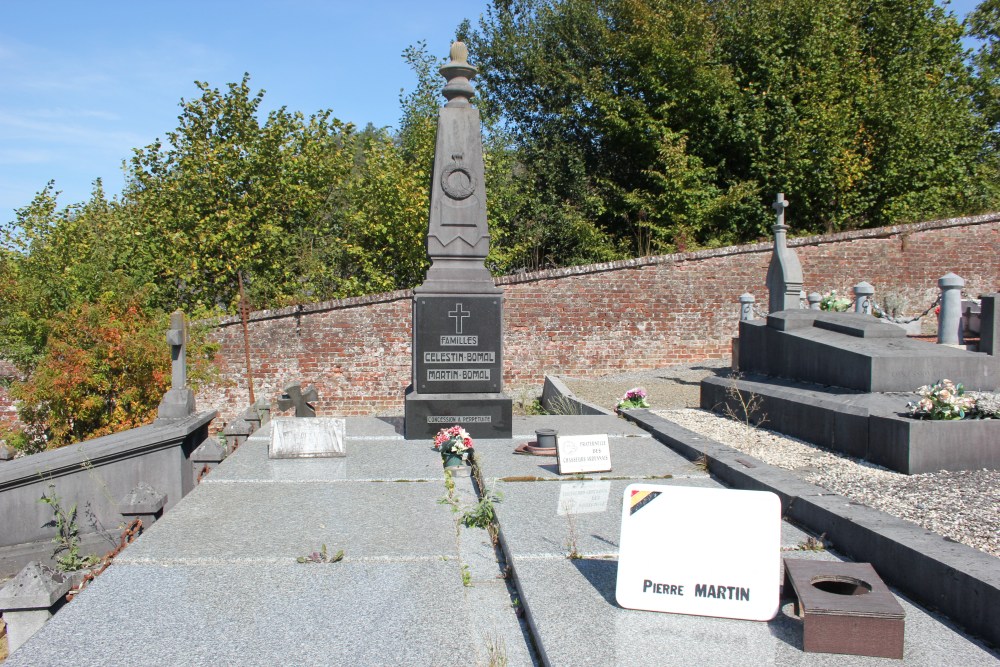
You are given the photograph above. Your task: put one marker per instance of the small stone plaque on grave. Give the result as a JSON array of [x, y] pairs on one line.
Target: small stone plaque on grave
[[583, 453], [319, 437], [707, 552], [583, 497]]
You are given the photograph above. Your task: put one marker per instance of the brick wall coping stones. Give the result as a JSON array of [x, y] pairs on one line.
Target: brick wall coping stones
[[549, 274]]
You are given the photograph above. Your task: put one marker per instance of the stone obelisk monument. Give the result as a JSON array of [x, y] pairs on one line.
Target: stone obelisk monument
[[458, 311]]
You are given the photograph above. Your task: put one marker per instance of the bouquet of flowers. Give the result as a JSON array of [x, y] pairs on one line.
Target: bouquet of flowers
[[633, 398], [453, 441], [832, 302], [944, 400]]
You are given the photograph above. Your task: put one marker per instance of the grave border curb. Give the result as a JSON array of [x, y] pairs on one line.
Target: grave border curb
[[959, 581]]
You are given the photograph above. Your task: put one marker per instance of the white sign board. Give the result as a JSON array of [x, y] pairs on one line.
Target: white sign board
[[583, 497], [306, 437], [583, 453], [707, 552]]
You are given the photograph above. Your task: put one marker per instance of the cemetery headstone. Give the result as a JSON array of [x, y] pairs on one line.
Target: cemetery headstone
[[784, 273], [457, 375], [178, 402], [299, 398], [292, 438]]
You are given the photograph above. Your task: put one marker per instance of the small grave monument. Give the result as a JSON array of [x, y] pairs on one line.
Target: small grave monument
[[296, 438], [178, 402], [301, 399], [784, 273], [583, 453], [458, 311]]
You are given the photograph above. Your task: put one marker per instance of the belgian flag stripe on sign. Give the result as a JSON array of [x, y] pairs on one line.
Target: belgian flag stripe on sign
[[640, 499]]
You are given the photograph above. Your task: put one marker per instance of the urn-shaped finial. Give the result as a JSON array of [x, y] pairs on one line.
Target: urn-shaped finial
[[458, 72]]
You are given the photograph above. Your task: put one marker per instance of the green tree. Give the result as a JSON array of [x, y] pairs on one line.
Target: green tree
[[228, 193], [669, 123]]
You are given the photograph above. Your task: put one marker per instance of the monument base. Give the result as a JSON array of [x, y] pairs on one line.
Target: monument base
[[482, 415], [176, 404]]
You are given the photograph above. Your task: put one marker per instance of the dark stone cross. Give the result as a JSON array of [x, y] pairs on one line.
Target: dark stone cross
[[301, 400]]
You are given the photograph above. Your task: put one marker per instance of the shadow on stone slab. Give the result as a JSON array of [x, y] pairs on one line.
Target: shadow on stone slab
[[602, 573]]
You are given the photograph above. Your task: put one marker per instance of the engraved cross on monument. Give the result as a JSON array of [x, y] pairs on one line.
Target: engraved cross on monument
[[178, 402], [458, 311], [784, 274]]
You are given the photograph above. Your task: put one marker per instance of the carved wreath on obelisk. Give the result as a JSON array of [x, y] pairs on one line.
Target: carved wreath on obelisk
[[458, 188]]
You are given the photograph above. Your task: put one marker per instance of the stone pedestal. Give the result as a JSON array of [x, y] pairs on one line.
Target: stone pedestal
[[457, 366], [29, 600]]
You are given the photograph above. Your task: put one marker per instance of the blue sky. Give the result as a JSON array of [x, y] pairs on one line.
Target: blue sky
[[82, 84]]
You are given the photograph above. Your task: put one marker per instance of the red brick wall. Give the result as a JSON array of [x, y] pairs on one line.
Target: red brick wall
[[594, 320]]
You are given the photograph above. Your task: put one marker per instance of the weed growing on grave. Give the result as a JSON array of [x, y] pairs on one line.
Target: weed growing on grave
[[449, 498], [744, 407], [701, 463], [483, 513], [526, 404], [812, 544], [573, 553], [321, 556], [67, 539], [466, 576], [496, 651], [562, 405]]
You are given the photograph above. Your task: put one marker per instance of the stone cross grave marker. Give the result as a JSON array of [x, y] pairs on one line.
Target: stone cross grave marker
[[784, 273], [301, 399], [178, 402]]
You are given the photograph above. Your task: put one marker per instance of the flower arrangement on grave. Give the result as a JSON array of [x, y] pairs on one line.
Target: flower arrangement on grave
[[454, 443], [830, 301], [943, 400], [634, 398]]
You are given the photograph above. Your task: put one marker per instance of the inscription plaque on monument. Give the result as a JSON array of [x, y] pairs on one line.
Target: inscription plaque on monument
[[458, 346], [458, 311]]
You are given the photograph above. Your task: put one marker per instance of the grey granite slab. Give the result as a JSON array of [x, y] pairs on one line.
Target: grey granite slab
[[524, 427], [547, 519], [366, 459], [401, 613], [536, 520], [275, 522], [630, 457], [571, 605]]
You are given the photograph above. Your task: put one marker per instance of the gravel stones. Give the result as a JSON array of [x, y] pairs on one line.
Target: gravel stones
[[960, 505]]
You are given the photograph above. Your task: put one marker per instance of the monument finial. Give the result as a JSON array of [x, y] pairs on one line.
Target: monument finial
[[458, 72]]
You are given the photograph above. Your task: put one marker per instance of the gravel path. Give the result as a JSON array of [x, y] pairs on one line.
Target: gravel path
[[963, 506]]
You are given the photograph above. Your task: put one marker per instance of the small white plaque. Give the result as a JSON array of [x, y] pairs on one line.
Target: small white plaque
[[707, 552], [583, 453], [583, 497], [306, 437]]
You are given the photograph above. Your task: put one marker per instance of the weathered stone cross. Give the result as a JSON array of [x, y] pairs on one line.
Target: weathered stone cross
[[459, 315], [779, 207], [177, 339], [295, 396]]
